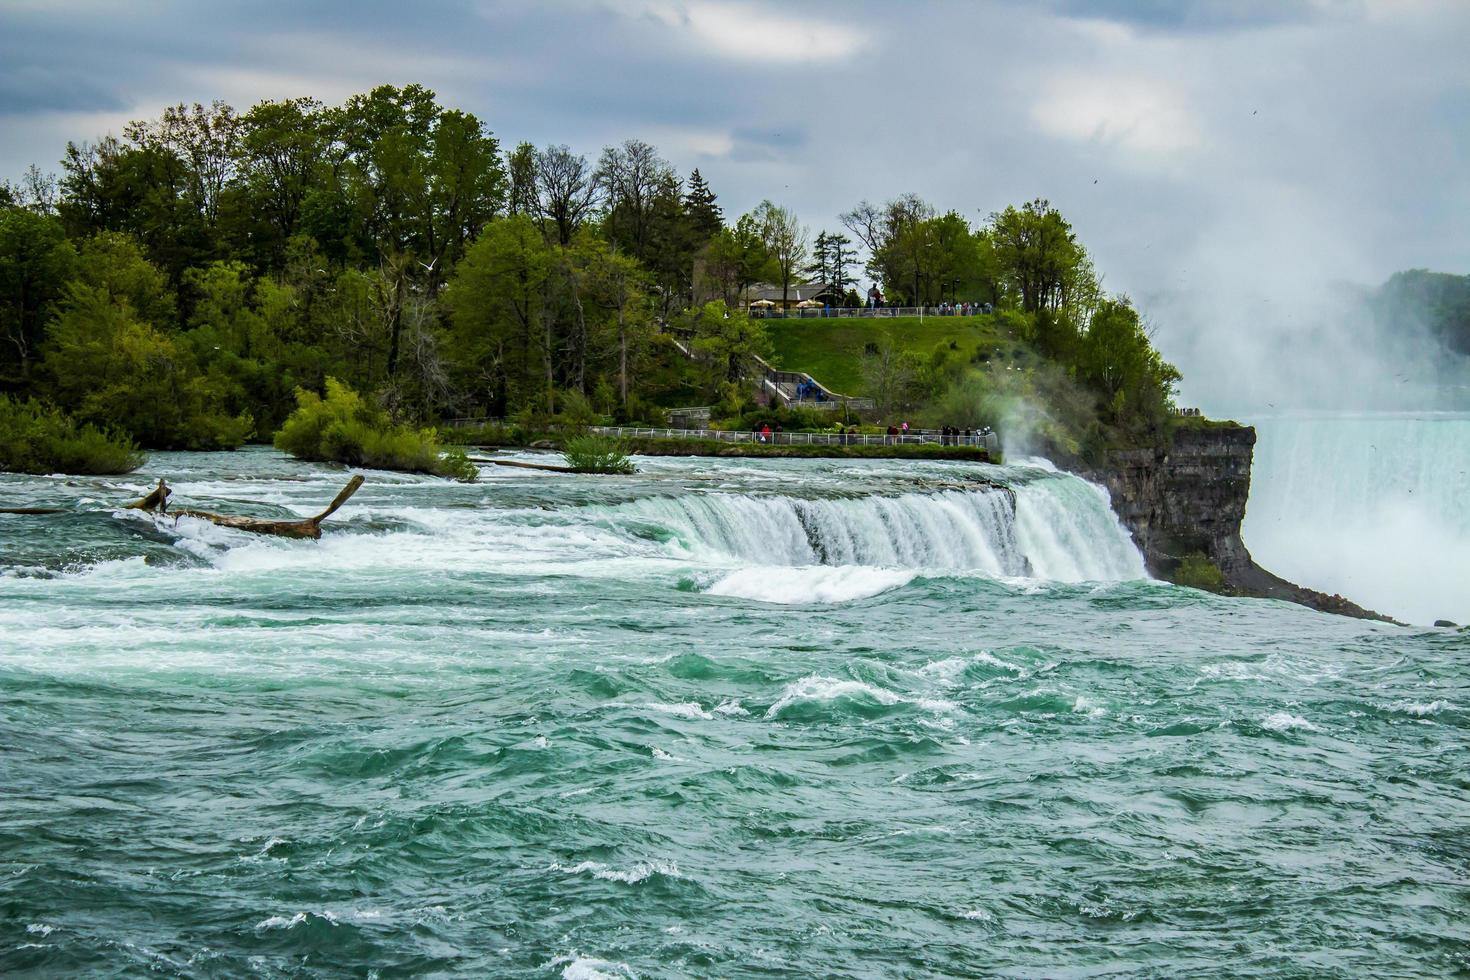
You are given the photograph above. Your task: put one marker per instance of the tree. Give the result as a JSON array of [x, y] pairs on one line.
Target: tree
[[728, 341], [832, 257], [497, 298], [705, 215], [108, 366], [520, 166], [281, 145], [900, 237], [785, 239], [618, 287], [894, 378], [1118, 360], [567, 193], [36, 260], [632, 178], [1039, 256], [206, 140]]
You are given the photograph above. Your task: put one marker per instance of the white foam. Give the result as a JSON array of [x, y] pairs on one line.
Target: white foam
[[281, 921], [1083, 706], [811, 583], [641, 871], [817, 688], [1282, 721], [684, 709], [579, 967]]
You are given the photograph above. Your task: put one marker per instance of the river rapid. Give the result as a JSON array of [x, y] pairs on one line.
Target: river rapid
[[721, 718]]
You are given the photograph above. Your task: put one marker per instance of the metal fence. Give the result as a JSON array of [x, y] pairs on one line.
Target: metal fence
[[861, 312], [915, 437], [988, 440]]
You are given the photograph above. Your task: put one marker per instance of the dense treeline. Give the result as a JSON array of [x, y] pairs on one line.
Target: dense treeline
[[182, 281]]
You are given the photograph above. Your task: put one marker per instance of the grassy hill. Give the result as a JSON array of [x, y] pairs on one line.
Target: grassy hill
[[831, 350]]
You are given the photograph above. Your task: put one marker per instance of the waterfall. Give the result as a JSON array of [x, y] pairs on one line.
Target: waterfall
[[1052, 527], [1370, 506]]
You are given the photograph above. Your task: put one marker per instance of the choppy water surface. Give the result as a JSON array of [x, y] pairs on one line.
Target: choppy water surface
[[725, 718]]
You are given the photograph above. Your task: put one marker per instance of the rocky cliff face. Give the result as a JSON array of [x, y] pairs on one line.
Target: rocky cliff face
[[1190, 497]]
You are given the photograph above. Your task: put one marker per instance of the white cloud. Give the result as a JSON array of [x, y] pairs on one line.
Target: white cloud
[[1144, 117], [749, 32]]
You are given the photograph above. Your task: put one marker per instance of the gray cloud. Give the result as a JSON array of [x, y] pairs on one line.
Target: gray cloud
[[1233, 157], [1199, 15]]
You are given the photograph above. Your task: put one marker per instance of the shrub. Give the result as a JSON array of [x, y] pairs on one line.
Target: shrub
[[35, 438], [576, 410], [640, 411], [597, 454], [344, 428], [1198, 572]]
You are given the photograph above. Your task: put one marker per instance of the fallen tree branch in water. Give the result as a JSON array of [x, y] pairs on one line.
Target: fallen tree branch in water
[[305, 527]]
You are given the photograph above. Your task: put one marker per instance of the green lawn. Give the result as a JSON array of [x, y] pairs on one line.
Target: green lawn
[[831, 350]]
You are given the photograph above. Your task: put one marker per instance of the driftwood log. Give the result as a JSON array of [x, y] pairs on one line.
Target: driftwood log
[[305, 527], [549, 467]]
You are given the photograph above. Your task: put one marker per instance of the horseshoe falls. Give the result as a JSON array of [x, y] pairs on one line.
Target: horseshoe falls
[[1374, 506], [720, 718]]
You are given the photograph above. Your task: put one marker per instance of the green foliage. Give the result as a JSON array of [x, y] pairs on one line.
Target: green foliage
[[344, 427], [37, 439], [207, 263], [751, 417], [728, 339], [575, 410], [1039, 259], [109, 366], [590, 453], [639, 411], [1197, 572], [36, 261]]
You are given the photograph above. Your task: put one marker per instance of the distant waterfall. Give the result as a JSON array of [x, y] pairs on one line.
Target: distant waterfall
[[1374, 507], [1057, 527]]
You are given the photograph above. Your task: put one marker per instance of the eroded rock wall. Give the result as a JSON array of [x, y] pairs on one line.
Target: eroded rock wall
[[1191, 496]]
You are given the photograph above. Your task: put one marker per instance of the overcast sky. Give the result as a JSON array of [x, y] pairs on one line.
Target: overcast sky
[[1200, 149]]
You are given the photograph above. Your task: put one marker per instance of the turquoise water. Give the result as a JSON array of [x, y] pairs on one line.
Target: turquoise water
[[724, 718]]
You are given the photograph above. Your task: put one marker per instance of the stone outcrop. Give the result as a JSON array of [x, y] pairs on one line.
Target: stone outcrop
[[1190, 497]]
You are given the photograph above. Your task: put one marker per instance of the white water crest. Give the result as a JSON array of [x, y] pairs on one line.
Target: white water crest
[[1376, 507]]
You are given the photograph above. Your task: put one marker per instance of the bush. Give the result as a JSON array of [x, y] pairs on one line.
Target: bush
[[641, 412], [37, 439], [575, 410], [344, 428], [1197, 572], [597, 454]]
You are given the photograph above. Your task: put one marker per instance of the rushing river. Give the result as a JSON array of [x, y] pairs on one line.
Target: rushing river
[[722, 718]]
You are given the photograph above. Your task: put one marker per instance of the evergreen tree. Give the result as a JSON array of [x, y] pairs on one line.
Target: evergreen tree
[[705, 215]]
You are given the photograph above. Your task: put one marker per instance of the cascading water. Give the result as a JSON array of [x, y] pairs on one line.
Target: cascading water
[[1052, 527], [1372, 506]]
